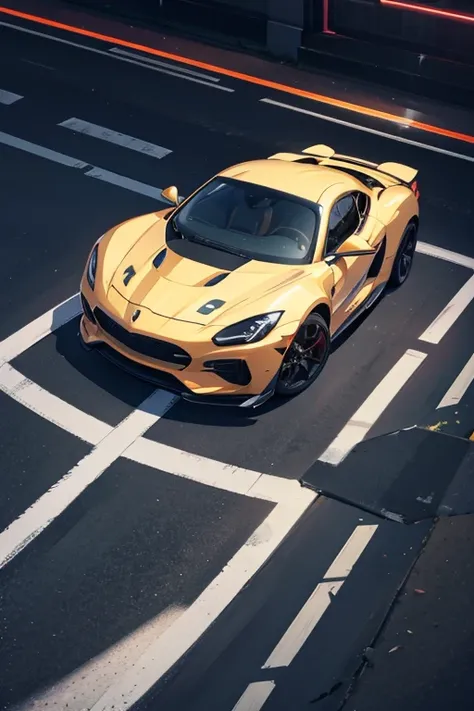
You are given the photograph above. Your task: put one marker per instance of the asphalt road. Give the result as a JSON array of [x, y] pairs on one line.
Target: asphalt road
[[126, 577]]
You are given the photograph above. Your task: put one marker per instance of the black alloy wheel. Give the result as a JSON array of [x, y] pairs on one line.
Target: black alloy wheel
[[305, 358], [406, 252]]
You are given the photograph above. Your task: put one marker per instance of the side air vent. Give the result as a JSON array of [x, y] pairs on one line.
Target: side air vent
[[158, 260], [215, 280], [310, 161]]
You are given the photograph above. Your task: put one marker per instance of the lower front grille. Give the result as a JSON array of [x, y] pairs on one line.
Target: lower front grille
[[233, 370], [144, 345], [159, 378]]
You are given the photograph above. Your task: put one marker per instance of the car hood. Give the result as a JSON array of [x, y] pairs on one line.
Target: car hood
[[176, 288]]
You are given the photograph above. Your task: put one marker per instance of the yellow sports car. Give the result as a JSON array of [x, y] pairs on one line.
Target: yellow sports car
[[236, 292]]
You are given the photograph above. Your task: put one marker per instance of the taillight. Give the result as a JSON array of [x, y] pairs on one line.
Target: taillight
[[414, 187]]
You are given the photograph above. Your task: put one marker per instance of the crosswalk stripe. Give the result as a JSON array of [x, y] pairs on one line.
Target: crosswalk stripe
[[460, 386], [255, 696], [449, 315], [368, 413], [9, 97], [119, 139]]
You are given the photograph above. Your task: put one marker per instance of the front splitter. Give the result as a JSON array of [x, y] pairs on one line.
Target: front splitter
[[169, 382]]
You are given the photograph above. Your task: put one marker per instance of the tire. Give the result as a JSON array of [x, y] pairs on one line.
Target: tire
[[403, 261], [313, 327]]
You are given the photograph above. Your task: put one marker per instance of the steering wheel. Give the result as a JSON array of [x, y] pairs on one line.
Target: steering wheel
[[300, 236]]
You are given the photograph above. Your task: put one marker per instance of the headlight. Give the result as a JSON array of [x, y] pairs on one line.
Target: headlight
[[92, 267], [248, 331]]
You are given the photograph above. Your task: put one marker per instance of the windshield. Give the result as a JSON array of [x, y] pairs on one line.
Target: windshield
[[250, 220]]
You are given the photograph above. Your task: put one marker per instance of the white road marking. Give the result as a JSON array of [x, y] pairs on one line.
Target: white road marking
[[155, 193], [317, 604], [94, 50], [450, 314], [460, 386], [40, 514], [257, 693], [80, 688], [211, 472], [41, 151], [368, 413], [254, 696], [127, 183], [165, 65], [106, 176], [142, 450], [445, 254], [366, 129], [9, 97], [243, 566], [183, 634], [118, 139], [36, 330], [155, 455], [52, 408]]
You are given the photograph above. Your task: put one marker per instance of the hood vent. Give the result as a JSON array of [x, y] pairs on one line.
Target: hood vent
[[217, 279], [159, 259]]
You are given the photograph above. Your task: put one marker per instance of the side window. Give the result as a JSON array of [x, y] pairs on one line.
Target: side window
[[343, 222]]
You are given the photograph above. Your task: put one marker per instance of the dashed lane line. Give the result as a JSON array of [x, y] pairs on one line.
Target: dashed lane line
[[255, 696], [138, 63], [319, 601], [92, 172], [9, 97], [41, 151], [87, 128], [460, 386], [121, 181], [303, 625], [449, 315], [369, 412], [153, 192], [366, 111], [164, 65]]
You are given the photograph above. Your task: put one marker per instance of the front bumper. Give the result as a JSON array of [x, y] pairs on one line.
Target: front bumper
[[193, 383]]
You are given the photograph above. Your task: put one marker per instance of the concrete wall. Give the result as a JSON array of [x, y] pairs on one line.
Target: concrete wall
[[419, 32], [282, 27]]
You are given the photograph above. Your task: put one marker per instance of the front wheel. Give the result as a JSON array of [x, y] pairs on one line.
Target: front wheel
[[404, 258], [305, 358]]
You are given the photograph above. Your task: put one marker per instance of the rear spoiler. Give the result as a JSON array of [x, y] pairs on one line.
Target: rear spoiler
[[403, 173]]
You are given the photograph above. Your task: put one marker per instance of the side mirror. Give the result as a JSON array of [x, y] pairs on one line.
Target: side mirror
[[336, 256], [171, 194]]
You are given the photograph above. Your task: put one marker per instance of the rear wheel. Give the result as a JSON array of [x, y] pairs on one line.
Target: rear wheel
[[305, 358], [404, 259]]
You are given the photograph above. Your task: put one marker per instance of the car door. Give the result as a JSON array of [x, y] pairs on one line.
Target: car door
[[348, 230]]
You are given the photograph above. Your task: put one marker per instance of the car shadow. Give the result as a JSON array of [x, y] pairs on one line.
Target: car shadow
[[350, 330], [132, 391], [221, 416], [92, 366]]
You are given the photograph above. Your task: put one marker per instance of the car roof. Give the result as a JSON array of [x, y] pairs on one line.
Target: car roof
[[302, 179]]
